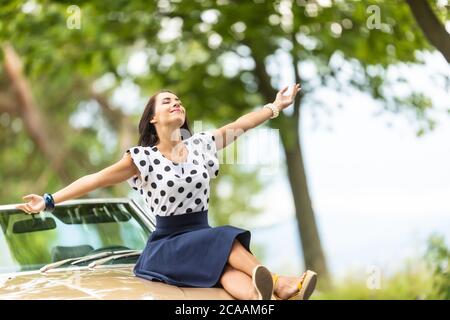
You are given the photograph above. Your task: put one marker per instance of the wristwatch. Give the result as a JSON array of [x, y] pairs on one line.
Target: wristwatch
[[275, 110]]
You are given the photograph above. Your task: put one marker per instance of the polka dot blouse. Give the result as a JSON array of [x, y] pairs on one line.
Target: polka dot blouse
[[171, 188]]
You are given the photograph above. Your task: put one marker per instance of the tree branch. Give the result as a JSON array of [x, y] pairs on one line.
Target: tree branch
[[7, 104], [295, 62], [431, 27], [30, 113]]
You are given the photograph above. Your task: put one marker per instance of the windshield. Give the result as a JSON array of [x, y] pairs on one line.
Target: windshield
[[29, 242]]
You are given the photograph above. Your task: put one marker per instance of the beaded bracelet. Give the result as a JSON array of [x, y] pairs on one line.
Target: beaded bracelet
[[275, 110], [49, 202]]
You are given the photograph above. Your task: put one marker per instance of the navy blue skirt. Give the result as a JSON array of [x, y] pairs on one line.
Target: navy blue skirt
[[186, 251]]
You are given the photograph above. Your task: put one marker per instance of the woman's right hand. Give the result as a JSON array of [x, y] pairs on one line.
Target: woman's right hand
[[34, 205]]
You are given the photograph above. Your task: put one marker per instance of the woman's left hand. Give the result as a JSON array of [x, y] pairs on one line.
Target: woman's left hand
[[282, 101]]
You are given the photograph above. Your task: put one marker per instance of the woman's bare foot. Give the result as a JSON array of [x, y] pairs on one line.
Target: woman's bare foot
[[286, 287]]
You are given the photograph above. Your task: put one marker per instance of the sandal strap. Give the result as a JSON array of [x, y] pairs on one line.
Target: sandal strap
[[300, 283], [275, 279]]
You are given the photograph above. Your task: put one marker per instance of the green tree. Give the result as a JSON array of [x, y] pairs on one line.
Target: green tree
[[223, 57]]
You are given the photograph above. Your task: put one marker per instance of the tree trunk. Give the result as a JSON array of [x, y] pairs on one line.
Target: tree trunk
[[311, 245], [313, 255], [431, 27]]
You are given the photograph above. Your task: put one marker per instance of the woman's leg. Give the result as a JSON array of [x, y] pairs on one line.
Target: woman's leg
[[238, 284], [244, 261], [241, 259]]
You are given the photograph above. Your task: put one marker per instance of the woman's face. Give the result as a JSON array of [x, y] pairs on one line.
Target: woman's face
[[169, 110]]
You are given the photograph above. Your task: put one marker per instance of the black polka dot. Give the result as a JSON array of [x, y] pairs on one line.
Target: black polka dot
[[142, 191], [166, 168], [150, 168], [207, 201], [188, 179], [180, 205], [193, 171], [195, 162], [146, 178], [216, 173], [204, 166], [203, 208], [163, 208], [135, 188], [189, 195], [175, 164], [205, 191], [156, 161], [142, 163], [180, 189], [196, 152], [198, 201], [208, 147], [156, 201], [152, 209], [153, 185], [182, 170], [213, 138], [210, 163], [155, 149], [198, 185], [196, 141], [170, 183], [205, 175], [172, 199], [177, 176], [146, 152], [136, 150], [189, 210], [149, 193], [159, 176], [162, 193]]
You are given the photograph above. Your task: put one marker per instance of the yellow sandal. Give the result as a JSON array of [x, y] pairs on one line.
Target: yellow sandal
[[305, 286], [275, 279]]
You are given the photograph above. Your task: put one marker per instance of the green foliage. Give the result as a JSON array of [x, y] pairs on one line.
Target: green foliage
[[418, 279], [438, 261], [404, 285], [61, 64]]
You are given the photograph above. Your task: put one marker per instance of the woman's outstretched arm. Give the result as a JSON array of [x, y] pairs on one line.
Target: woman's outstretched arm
[[230, 132], [116, 173]]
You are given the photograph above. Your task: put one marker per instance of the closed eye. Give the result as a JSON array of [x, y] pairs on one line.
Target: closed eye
[[167, 100]]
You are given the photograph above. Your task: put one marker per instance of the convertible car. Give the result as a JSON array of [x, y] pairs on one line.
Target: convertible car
[[84, 249]]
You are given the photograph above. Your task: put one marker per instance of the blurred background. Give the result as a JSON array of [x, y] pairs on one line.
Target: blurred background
[[352, 180]]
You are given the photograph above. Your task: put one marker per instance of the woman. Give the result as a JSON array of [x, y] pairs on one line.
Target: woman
[[172, 173]]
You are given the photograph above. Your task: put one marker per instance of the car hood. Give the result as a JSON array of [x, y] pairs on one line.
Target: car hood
[[105, 282]]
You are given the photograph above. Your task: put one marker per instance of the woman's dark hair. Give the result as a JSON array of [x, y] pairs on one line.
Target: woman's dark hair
[[147, 131]]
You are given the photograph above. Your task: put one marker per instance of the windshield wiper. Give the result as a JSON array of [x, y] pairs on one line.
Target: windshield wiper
[[114, 257], [101, 255], [81, 259]]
